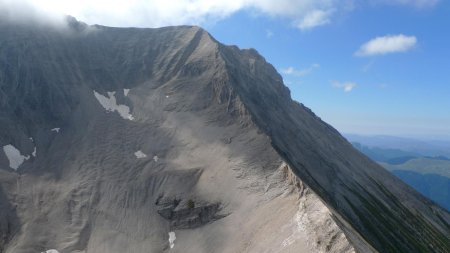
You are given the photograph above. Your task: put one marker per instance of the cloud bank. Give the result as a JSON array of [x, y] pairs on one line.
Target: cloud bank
[[303, 14], [387, 44], [24, 11]]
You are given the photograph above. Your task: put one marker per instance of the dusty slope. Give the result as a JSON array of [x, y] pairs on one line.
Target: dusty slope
[[189, 162], [209, 119]]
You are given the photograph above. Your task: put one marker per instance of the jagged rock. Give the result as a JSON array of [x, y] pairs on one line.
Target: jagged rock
[[183, 215]]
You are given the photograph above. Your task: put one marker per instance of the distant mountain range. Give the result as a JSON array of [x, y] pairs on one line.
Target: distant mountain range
[[410, 160], [418, 147]]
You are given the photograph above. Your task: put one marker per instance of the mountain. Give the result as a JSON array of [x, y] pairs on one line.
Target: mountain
[[424, 165], [433, 186], [424, 147], [386, 155], [165, 140], [428, 175]]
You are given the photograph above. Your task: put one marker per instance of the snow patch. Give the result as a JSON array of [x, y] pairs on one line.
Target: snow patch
[[50, 251], [126, 91], [110, 104], [14, 156], [139, 154], [34, 151], [172, 238], [56, 129], [155, 158]]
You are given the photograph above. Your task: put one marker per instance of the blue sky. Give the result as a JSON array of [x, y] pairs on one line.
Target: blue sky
[[364, 66], [404, 93]]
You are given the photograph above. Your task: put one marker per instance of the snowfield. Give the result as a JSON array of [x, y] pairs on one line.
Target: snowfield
[[51, 251], [110, 104], [139, 154], [14, 156], [172, 238]]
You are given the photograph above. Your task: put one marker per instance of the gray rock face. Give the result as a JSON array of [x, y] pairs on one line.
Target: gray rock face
[[210, 123], [187, 214]]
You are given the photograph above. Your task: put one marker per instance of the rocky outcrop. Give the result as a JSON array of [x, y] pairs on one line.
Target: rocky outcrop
[[187, 214], [324, 235]]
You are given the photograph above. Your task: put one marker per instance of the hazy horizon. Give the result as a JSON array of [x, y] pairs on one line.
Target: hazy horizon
[[424, 137]]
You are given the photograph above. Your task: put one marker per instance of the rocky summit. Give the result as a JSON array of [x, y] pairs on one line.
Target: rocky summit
[[165, 140]]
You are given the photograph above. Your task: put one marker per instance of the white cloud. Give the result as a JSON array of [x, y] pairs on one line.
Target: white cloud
[[300, 72], [346, 86], [25, 11], [305, 14], [366, 68], [313, 19], [387, 44], [269, 33]]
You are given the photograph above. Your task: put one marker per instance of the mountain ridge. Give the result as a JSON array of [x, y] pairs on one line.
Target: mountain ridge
[[311, 179], [184, 69], [102, 182]]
